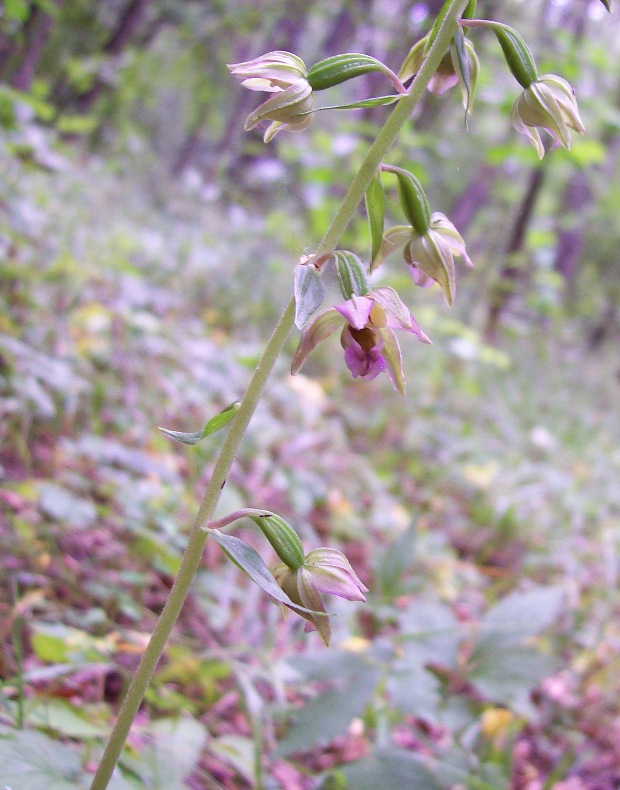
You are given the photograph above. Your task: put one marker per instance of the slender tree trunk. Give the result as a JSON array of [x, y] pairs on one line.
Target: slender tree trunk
[[37, 32], [511, 273], [128, 24]]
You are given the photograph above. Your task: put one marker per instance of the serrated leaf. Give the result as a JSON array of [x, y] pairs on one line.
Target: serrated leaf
[[215, 424], [375, 210], [309, 292], [252, 564]]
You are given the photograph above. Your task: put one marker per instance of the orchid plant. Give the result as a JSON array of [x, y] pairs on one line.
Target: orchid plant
[[368, 315]]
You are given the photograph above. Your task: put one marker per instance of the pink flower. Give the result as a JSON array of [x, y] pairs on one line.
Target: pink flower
[[324, 571], [368, 338]]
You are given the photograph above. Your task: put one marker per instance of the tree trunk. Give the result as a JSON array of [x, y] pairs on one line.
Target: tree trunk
[[38, 29], [510, 273]]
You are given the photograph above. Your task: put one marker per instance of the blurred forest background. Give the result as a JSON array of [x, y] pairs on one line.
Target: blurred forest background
[[146, 249]]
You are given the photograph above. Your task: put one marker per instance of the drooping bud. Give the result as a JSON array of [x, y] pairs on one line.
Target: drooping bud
[[516, 52], [351, 274], [412, 199], [340, 68], [283, 538]]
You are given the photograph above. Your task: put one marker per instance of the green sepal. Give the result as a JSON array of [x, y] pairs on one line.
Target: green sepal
[[412, 200], [375, 210], [309, 290], [351, 274], [340, 68], [215, 423], [283, 538]]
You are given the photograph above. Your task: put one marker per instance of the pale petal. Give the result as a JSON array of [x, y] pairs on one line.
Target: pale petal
[[393, 239], [324, 325], [397, 313], [393, 360]]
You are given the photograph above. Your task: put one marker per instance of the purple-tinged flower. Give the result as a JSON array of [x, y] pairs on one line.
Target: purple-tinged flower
[[324, 571], [272, 72], [449, 72], [549, 102], [430, 256], [368, 338], [284, 75]]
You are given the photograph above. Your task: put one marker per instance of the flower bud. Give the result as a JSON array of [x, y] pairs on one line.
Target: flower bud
[[516, 52], [412, 199], [351, 274], [340, 68], [283, 538]]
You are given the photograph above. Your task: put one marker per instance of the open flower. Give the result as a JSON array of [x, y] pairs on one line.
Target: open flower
[[323, 571], [549, 102], [284, 75], [368, 338], [430, 256]]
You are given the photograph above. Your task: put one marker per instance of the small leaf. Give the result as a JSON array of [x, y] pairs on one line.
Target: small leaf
[[214, 424], [252, 564], [377, 101], [375, 209], [309, 292], [463, 67]]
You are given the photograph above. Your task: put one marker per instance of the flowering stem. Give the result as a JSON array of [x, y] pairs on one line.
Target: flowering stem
[[198, 536]]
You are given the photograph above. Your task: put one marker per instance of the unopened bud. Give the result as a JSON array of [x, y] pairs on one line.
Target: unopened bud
[[283, 538], [351, 274], [412, 199]]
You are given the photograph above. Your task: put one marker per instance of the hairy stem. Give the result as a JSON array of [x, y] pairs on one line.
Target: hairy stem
[[198, 537]]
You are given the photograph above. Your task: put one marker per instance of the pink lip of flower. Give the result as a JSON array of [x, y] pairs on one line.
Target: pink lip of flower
[[326, 571], [367, 337]]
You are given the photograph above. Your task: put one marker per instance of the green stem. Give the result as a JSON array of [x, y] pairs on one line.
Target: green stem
[[198, 537]]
